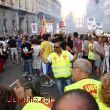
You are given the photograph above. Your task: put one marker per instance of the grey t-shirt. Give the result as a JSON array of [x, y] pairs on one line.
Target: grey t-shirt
[[99, 48]]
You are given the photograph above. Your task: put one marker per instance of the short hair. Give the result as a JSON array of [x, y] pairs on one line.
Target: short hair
[[31, 82], [45, 36], [86, 100], [105, 89], [75, 34], [84, 65], [7, 93]]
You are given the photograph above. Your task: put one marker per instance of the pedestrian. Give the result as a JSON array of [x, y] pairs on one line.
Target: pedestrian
[[91, 54], [85, 47], [1, 58], [61, 66], [36, 57], [46, 50], [99, 55], [82, 70], [106, 67], [27, 51], [28, 88], [13, 48]]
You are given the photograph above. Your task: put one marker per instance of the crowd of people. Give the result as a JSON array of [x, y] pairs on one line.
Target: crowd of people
[[69, 61]]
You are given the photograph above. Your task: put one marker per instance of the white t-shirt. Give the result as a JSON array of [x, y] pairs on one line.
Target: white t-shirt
[[4, 45], [36, 50], [71, 57], [107, 50]]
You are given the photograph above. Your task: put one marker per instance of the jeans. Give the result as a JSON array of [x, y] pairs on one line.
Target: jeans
[[62, 82], [106, 64], [28, 66]]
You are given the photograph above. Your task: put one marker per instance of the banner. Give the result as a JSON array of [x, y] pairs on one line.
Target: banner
[[34, 28], [91, 23], [49, 27], [99, 28]]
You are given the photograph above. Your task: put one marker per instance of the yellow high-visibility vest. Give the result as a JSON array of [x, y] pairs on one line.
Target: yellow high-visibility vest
[[92, 86], [39, 103], [91, 54], [61, 66]]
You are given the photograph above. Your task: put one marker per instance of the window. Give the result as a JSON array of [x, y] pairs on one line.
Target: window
[[3, 0], [12, 2]]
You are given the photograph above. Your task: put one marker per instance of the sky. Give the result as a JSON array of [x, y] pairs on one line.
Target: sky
[[77, 7]]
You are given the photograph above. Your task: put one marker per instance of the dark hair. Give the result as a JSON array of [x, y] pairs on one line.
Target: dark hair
[[5, 94], [63, 45], [90, 38], [35, 41], [106, 39], [75, 34], [31, 82], [45, 36], [88, 101]]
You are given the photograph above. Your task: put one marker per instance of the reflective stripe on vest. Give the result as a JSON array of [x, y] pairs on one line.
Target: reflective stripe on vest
[[66, 66], [61, 66]]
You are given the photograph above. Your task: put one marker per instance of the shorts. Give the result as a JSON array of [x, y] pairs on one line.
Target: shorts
[[45, 68], [14, 51], [98, 63], [36, 62]]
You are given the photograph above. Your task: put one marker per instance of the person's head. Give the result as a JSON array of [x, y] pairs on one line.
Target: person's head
[[45, 37], [105, 89], [106, 40], [27, 86], [91, 40], [24, 40], [63, 45], [10, 37], [35, 41], [100, 39], [57, 47], [7, 93], [76, 99], [82, 68], [86, 37], [75, 34]]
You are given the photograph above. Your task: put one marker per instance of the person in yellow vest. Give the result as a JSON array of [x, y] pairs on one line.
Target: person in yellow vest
[[61, 66], [91, 54], [81, 73], [77, 99], [27, 90]]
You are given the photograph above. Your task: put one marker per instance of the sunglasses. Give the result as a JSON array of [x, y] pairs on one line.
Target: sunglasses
[[56, 47]]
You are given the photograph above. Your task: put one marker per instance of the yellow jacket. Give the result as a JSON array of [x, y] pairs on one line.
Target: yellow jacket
[[92, 86]]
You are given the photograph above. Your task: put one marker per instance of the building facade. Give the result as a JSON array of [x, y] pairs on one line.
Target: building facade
[[100, 9], [52, 11], [106, 20], [19, 14]]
